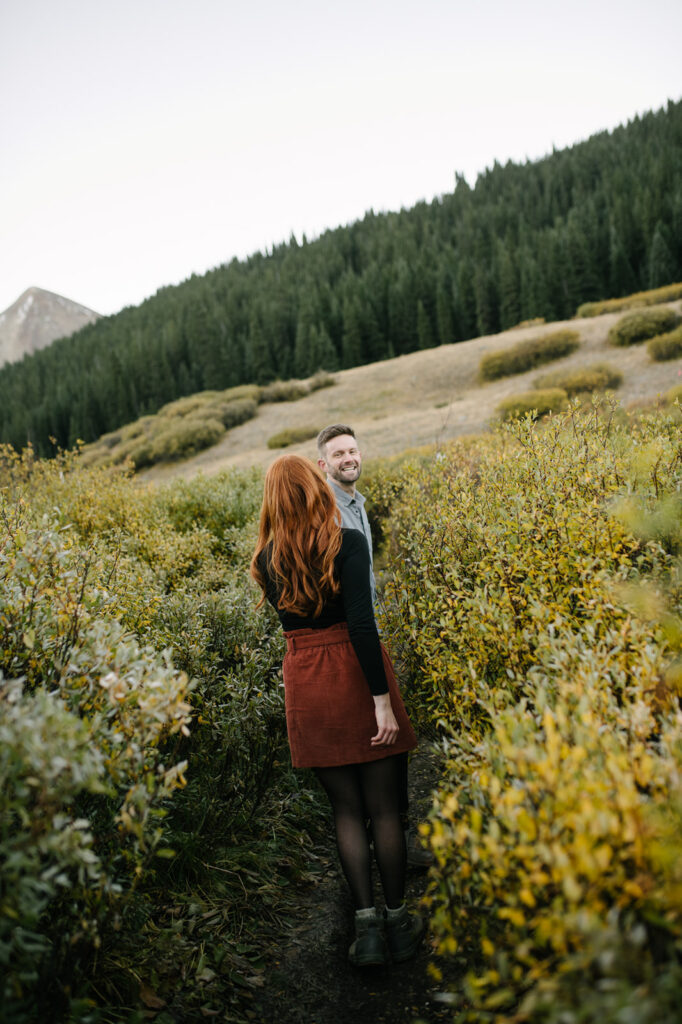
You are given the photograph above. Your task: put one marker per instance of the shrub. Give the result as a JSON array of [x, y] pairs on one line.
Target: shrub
[[177, 440], [179, 430], [538, 833], [292, 435], [598, 377], [556, 828], [666, 346], [674, 394], [652, 297], [292, 390], [283, 391], [640, 325], [85, 771], [537, 402], [320, 380], [525, 355], [110, 593], [231, 414], [203, 400]]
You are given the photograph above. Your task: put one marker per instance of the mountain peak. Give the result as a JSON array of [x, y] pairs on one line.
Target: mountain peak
[[36, 319]]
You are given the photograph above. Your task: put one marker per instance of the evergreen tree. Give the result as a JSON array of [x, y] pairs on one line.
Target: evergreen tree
[[508, 287], [661, 262], [327, 357], [621, 277], [351, 341], [424, 329], [445, 328]]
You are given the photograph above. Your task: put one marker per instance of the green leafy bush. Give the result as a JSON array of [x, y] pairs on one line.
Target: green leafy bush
[[642, 324], [556, 827], [597, 377], [537, 402], [121, 776], [525, 355], [86, 787], [666, 346], [292, 435]]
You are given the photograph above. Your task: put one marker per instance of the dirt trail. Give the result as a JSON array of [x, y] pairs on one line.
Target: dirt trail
[[311, 981]]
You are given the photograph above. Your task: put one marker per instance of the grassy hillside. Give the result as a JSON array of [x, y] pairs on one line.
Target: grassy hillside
[[425, 397]]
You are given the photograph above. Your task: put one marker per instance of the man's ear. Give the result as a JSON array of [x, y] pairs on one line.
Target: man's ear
[[322, 464]]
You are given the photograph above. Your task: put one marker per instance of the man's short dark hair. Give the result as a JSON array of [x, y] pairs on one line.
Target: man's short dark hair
[[329, 433]]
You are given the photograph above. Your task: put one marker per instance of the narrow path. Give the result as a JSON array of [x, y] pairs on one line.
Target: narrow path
[[310, 980]]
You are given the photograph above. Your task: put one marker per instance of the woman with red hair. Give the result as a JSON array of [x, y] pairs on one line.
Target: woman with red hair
[[345, 716]]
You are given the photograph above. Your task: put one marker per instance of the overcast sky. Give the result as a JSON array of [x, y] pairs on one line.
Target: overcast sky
[[146, 140]]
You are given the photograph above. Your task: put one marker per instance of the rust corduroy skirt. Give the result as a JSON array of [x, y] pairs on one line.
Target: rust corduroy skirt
[[329, 707]]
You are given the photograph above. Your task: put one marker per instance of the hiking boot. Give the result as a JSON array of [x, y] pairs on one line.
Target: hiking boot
[[417, 854], [404, 932], [369, 948]]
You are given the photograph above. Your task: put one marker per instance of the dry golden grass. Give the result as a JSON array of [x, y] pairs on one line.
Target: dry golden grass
[[425, 397]]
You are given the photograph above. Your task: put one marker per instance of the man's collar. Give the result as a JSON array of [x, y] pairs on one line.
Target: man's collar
[[343, 495]]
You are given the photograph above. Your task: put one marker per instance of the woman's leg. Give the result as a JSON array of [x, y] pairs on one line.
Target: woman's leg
[[342, 785], [380, 782]]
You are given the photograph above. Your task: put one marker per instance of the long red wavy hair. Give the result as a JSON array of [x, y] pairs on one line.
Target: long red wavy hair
[[299, 516]]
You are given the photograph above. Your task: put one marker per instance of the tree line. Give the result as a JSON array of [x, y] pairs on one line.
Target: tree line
[[599, 219]]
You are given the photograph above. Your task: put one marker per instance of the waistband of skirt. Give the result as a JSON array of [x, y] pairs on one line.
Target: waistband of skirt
[[299, 639]]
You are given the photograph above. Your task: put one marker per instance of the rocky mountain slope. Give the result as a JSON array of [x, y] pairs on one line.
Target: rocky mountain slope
[[36, 319]]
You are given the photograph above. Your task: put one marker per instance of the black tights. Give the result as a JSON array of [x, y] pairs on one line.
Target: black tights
[[355, 792]]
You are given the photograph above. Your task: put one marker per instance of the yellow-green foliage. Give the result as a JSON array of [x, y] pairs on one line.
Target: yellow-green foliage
[[597, 377], [666, 346], [141, 725], [674, 394], [292, 435], [642, 324], [178, 430], [538, 402], [513, 604], [527, 354], [652, 297]]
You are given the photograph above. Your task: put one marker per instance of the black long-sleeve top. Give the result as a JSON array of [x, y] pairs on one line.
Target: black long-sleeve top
[[353, 604]]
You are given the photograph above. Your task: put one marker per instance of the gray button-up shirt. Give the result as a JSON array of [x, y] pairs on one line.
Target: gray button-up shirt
[[354, 517]]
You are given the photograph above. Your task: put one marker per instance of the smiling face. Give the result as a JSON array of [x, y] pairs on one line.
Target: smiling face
[[342, 461]]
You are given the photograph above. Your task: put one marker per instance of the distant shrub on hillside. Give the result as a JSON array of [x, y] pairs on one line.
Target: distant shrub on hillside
[[648, 298], [535, 321], [179, 429], [201, 401], [537, 402], [292, 435], [283, 391], [321, 379], [641, 325], [598, 377], [291, 390], [666, 346], [180, 439], [527, 354]]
